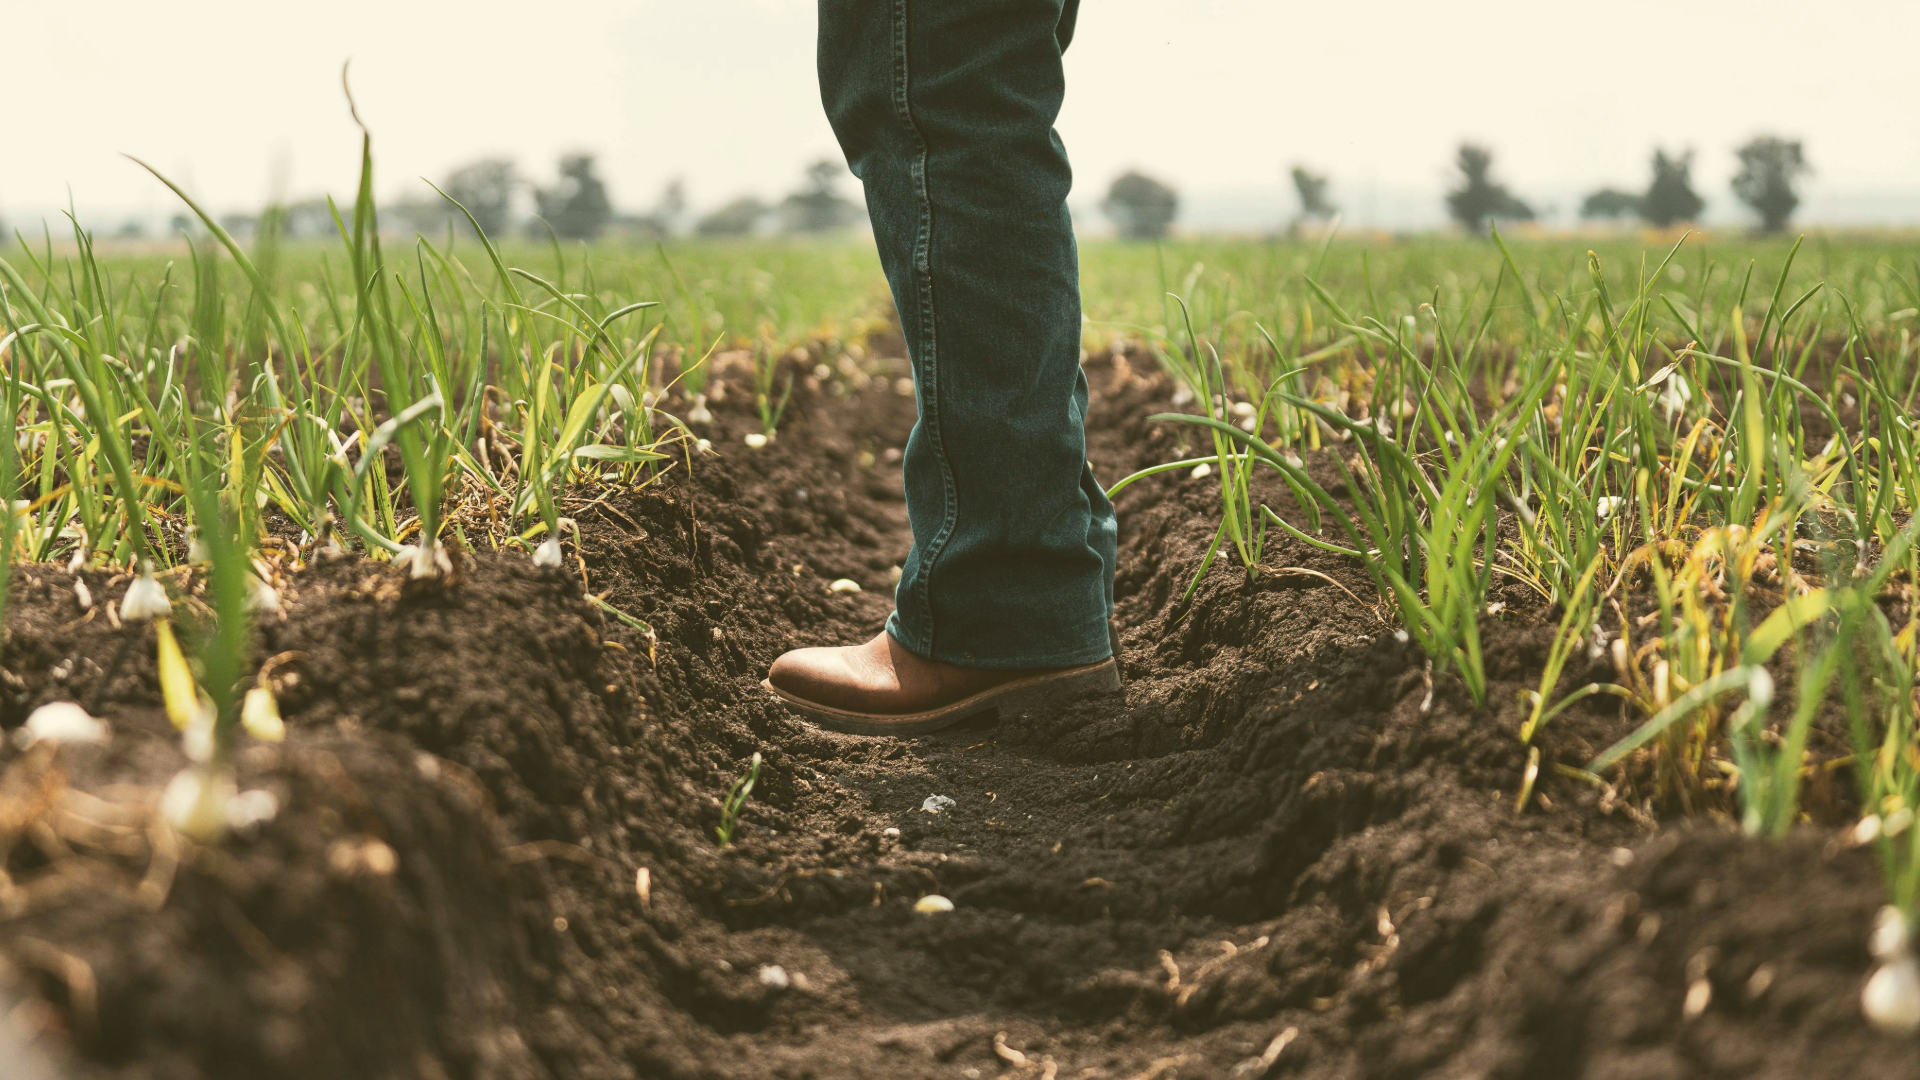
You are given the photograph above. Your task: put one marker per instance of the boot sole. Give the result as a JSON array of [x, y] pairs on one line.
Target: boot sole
[[1022, 698]]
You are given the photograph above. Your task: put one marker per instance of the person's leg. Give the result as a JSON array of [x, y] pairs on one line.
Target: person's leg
[[945, 109]]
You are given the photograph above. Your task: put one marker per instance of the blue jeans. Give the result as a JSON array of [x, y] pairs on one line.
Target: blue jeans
[[945, 110]]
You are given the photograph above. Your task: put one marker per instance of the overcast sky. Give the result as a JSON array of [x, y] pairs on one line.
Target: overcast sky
[[1218, 96]]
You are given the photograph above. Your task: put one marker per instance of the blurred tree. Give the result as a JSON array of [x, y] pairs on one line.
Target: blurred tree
[[240, 224], [1140, 207], [1670, 199], [1311, 188], [1768, 168], [818, 206], [671, 210], [310, 219], [738, 218], [485, 188], [1481, 199], [1610, 203], [577, 207], [664, 220]]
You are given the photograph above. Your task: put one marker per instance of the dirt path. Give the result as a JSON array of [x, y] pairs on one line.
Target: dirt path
[[1283, 851]]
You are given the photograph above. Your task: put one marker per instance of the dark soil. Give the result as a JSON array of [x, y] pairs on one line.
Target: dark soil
[[1285, 834]]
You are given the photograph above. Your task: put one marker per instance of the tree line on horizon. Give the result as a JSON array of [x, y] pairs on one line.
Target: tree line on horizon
[[1144, 208], [575, 206], [578, 206]]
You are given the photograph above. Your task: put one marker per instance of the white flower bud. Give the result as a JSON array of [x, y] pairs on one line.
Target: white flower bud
[[146, 599], [1891, 999], [1889, 938], [251, 809], [699, 414], [260, 714], [62, 722], [1866, 833], [197, 737], [262, 597], [428, 560], [196, 802], [1897, 822]]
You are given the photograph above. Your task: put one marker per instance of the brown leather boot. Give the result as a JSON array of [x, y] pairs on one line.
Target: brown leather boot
[[882, 689]]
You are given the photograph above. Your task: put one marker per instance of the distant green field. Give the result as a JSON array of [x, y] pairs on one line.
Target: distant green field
[[800, 290]]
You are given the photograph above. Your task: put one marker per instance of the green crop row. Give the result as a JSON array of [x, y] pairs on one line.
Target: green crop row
[[1706, 467]]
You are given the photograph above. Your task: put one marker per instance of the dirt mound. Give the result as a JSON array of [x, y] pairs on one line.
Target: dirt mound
[[1284, 850]]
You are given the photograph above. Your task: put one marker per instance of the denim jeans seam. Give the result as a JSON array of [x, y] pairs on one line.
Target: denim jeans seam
[[929, 351]]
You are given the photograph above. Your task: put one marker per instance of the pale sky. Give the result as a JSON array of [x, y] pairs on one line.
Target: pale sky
[[1217, 96]]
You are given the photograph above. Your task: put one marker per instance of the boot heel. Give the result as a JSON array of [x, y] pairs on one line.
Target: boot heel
[[1048, 697]]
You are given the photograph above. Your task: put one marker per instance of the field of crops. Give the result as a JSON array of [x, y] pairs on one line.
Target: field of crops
[[1520, 647]]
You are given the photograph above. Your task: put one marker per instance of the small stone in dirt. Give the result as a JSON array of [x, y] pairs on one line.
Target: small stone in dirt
[[61, 722], [1621, 857], [372, 857], [890, 455], [1699, 996], [936, 803], [844, 585], [933, 904], [903, 386], [774, 976], [890, 833]]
